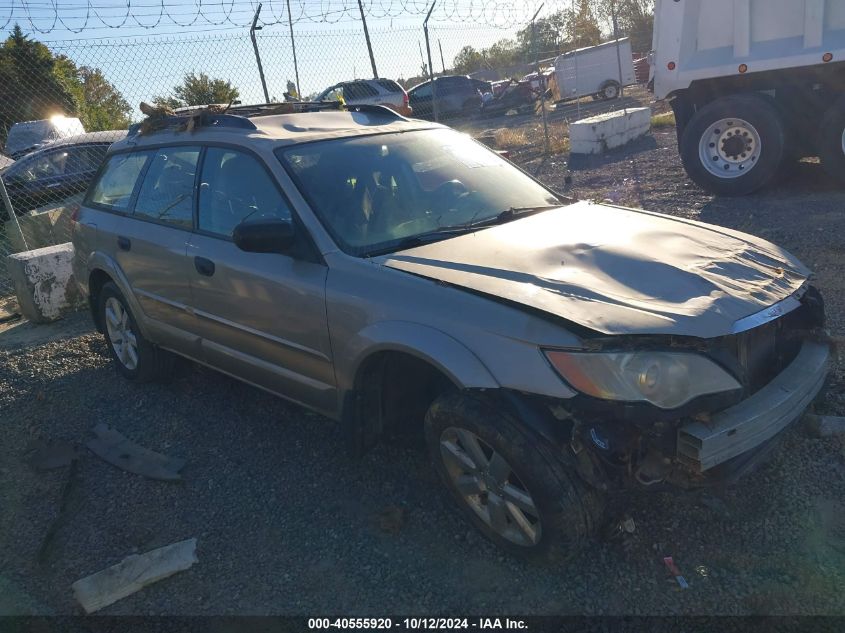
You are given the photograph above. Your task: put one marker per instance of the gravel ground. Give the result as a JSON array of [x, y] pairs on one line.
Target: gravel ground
[[287, 524]]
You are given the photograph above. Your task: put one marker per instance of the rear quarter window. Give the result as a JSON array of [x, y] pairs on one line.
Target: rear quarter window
[[114, 188], [389, 85]]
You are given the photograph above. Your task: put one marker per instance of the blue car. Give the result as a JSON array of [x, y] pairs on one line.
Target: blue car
[[56, 172]]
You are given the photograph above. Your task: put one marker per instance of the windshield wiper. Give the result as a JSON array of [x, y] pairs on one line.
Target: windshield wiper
[[513, 212], [446, 232]]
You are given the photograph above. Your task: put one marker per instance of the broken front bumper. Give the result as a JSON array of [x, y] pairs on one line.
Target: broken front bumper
[[757, 419]]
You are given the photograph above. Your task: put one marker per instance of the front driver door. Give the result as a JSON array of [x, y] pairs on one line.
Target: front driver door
[[261, 316]]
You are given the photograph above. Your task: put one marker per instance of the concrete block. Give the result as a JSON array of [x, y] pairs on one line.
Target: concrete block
[[44, 228], [44, 282], [606, 131]]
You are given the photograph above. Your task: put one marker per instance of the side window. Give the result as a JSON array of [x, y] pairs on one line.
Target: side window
[[423, 91], [167, 193], [46, 165], [234, 187], [117, 181], [358, 90]]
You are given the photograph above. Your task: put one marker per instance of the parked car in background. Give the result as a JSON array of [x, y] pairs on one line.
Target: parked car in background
[[384, 92], [57, 173], [457, 95], [405, 280], [29, 136]]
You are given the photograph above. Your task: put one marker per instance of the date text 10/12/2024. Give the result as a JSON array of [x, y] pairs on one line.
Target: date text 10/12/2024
[[444, 624]]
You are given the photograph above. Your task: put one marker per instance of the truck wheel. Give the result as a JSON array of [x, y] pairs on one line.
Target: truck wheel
[[508, 483], [733, 146], [134, 356], [831, 141], [609, 90]]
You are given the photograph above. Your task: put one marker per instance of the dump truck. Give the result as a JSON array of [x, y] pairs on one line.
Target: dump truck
[[755, 85]]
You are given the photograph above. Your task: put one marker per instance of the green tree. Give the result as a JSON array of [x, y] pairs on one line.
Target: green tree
[[199, 90], [549, 31], [582, 26], [468, 60], [635, 19], [102, 106], [30, 87]]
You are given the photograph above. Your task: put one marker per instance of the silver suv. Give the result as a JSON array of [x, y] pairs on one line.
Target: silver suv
[[401, 278]]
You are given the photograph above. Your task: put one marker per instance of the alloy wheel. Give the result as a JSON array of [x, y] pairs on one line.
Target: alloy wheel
[[490, 487], [122, 338]]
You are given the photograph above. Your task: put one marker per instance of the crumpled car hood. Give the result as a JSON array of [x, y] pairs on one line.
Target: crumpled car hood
[[616, 271]]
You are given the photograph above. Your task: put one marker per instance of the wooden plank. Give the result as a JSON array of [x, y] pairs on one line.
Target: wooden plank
[[132, 574]]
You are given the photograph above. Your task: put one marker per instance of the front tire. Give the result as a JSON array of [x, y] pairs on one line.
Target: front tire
[[734, 146], [610, 90], [507, 482], [134, 356]]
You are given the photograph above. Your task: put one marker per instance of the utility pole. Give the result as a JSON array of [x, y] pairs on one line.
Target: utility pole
[[367, 37], [252, 31], [293, 46], [430, 70], [618, 52], [442, 62], [422, 58], [540, 78]]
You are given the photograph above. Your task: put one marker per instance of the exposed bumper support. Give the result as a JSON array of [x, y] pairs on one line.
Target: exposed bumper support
[[750, 423]]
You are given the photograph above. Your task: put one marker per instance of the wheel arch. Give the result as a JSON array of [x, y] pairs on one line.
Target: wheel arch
[[101, 270], [402, 362]]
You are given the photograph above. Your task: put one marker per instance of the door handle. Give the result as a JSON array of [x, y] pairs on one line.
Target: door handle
[[123, 243], [204, 266]]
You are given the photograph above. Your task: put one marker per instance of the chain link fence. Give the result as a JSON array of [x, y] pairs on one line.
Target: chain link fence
[[64, 101]]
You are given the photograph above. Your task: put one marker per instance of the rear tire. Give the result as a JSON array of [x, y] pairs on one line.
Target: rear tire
[[516, 491], [734, 146], [134, 356], [831, 141]]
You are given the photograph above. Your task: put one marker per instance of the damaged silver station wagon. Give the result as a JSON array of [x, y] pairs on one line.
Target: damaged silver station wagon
[[401, 278]]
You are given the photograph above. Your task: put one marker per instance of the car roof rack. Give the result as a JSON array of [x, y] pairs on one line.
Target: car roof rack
[[238, 116]]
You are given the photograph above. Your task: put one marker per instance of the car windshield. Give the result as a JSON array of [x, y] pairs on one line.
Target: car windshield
[[380, 193]]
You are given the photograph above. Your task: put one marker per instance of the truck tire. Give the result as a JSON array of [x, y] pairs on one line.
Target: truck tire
[[831, 141], [734, 145], [507, 482]]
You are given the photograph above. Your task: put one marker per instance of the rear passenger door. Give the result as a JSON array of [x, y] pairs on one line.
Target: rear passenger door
[[150, 245], [261, 316]]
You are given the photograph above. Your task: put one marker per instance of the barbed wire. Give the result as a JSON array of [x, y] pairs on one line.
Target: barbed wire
[[47, 16]]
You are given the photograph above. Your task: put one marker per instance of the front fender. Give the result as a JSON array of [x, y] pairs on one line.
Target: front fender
[[439, 349], [101, 261]]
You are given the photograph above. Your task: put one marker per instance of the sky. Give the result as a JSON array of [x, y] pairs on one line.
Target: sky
[[146, 47]]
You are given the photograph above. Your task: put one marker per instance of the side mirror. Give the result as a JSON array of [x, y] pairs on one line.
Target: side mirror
[[265, 236]]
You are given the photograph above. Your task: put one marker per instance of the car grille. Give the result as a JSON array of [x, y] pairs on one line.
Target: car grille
[[765, 351]]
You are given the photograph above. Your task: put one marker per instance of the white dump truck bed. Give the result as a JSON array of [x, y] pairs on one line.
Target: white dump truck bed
[[706, 39]]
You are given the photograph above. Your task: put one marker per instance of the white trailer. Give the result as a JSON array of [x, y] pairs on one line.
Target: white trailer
[[753, 83], [595, 71]]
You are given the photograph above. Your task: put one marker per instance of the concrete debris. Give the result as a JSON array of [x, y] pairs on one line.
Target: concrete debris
[[119, 451], [132, 574]]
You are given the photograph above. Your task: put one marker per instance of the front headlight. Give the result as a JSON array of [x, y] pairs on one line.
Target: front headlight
[[665, 379]]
